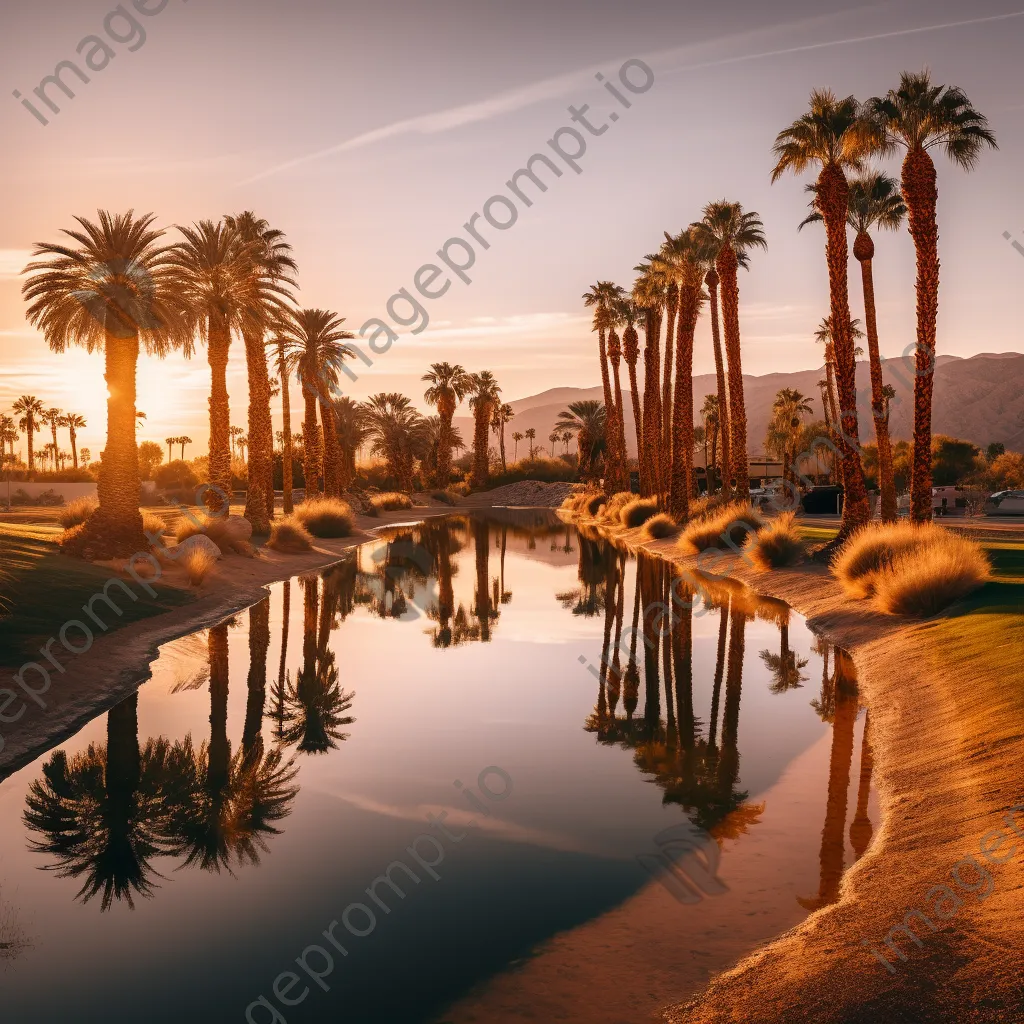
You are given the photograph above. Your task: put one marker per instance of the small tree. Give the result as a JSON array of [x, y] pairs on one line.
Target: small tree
[[150, 456]]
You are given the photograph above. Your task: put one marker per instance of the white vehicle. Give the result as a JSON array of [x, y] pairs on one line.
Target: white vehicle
[[1005, 503]]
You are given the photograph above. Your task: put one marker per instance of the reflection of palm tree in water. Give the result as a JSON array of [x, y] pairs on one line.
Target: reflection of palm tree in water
[[786, 667], [483, 610], [278, 692], [843, 699], [860, 829], [13, 937], [101, 813]]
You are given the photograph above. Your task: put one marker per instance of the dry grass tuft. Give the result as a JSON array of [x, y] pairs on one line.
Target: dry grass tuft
[[776, 545], [728, 526], [592, 503], [289, 536], [389, 501], [445, 497], [197, 565], [637, 511], [74, 513], [614, 505], [325, 517], [909, 568], [152, 523], [660, 526]]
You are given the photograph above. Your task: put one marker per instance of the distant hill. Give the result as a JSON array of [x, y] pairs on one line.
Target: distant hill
[[980, 398]]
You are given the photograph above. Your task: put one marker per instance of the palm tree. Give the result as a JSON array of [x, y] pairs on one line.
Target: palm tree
[[649, 297], [315, 344], [725, 234], [397, 432], [710, 414], [350, 427], [874, 200], [8, 434], [614, 319], [31, 410], [684, 261], [920, 116], [183, 441], [566, 438], [86, 456], [115, 289], [601, 297], [517, 436], [272, 262], [784, 431], [236, 434], [833, 136], [553, 439], [629, 314], [484, 398], [449, 385], [501, 416], [170, 441], [280, 352], [712, 280], [243, 446], [73, 422], [531, 436], [586, 420], [52, 418], [226, 292]]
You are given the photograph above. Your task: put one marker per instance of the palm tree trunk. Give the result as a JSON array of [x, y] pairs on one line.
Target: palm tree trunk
[[651, 410], [331, 453], [864, 250], [712, 279], [921, 194], [29, 433], [218, 342], [681, 484], [256, 682], [665, 427], [286, 436], [74, 447], [833, 200], [481, 547], [261, 434], [312, 454], [218, 769], [482, 414], [634, 394], [620, 431], [739, 466], [609, 407]]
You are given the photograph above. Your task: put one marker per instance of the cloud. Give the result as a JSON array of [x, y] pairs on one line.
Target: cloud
[[12, 262], [665, 61]]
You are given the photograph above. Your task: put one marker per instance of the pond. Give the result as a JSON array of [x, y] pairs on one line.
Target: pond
[[460, 775]]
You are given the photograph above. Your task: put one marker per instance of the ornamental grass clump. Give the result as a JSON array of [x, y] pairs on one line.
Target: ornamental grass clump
[[289, 536], [637, 511], [197, 565], [389, 501], [592, 504], [659, 527], [325, 517], [614, 506], [726, 527], [776, 545], [74, 513]]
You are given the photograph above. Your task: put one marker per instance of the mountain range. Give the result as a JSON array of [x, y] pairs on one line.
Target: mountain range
[[978, 398]]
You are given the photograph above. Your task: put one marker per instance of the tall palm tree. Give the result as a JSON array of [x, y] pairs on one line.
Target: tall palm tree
[[501, 416], [826, 336], [553, 438], [628, 315], [517, 436], [711, 415], [52, 417], [114, 289], [235, 434], [272, 262], [614, 318], [919, 116], [279, 347], [397, 432], [587, 421], [449, 385], [784, 433], [566, 438], [484, 397], [183, 440], [712, 280], [73, 422], [725, 234], [833, 136], [315, 343], [350, 427], [8, 434], [31, 410], [685, 262], [874, 200], [226, 292], [169, 441], [601, 297], [649, 297], [531, 436]]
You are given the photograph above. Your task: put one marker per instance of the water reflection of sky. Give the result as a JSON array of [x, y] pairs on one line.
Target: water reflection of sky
[[558, 852]]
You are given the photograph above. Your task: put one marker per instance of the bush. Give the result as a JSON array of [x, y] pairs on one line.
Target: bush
[[660, 526], [389, 501], [730, 523], [776, 545], [197, 565], [545, 470], [152, 523], [638, 511], [325, 517], [911, 569], [591, 503], [289, 536], [462, 488], [77, 511], [176, 476], [445, 497], [615, 504]]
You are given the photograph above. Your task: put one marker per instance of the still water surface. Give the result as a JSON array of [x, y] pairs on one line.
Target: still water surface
[[177, 855]]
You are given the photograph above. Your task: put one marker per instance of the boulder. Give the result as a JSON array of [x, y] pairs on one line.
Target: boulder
[[238, 528], [197, 542]]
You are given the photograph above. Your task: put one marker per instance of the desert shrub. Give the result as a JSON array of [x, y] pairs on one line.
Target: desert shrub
[[152, 523], [445, 497], [702, 507], [197, 565], [77, 511], [925, 581], [911, 569], [538, 468], [389, 501], [870, 550], [176, 475], [726, 527], [776, 545], [591, 503], [615, 504], [660, 526], [325, 517], [289, 536], [636, 512], [462, 488]]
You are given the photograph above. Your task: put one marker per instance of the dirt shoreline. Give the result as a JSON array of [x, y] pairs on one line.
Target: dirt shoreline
[[948, 742]]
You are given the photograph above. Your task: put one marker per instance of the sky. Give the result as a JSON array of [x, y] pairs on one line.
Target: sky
[[371, 134]]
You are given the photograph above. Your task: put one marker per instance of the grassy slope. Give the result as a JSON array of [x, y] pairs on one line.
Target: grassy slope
[[43, 590]]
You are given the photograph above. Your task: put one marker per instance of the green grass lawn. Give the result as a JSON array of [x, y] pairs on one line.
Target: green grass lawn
[[40, 590]]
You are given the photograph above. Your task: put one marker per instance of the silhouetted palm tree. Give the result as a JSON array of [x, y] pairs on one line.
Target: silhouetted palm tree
[[449, 385]]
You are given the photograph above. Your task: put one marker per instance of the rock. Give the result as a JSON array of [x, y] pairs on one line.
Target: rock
[[238, 528], [197, 542]]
